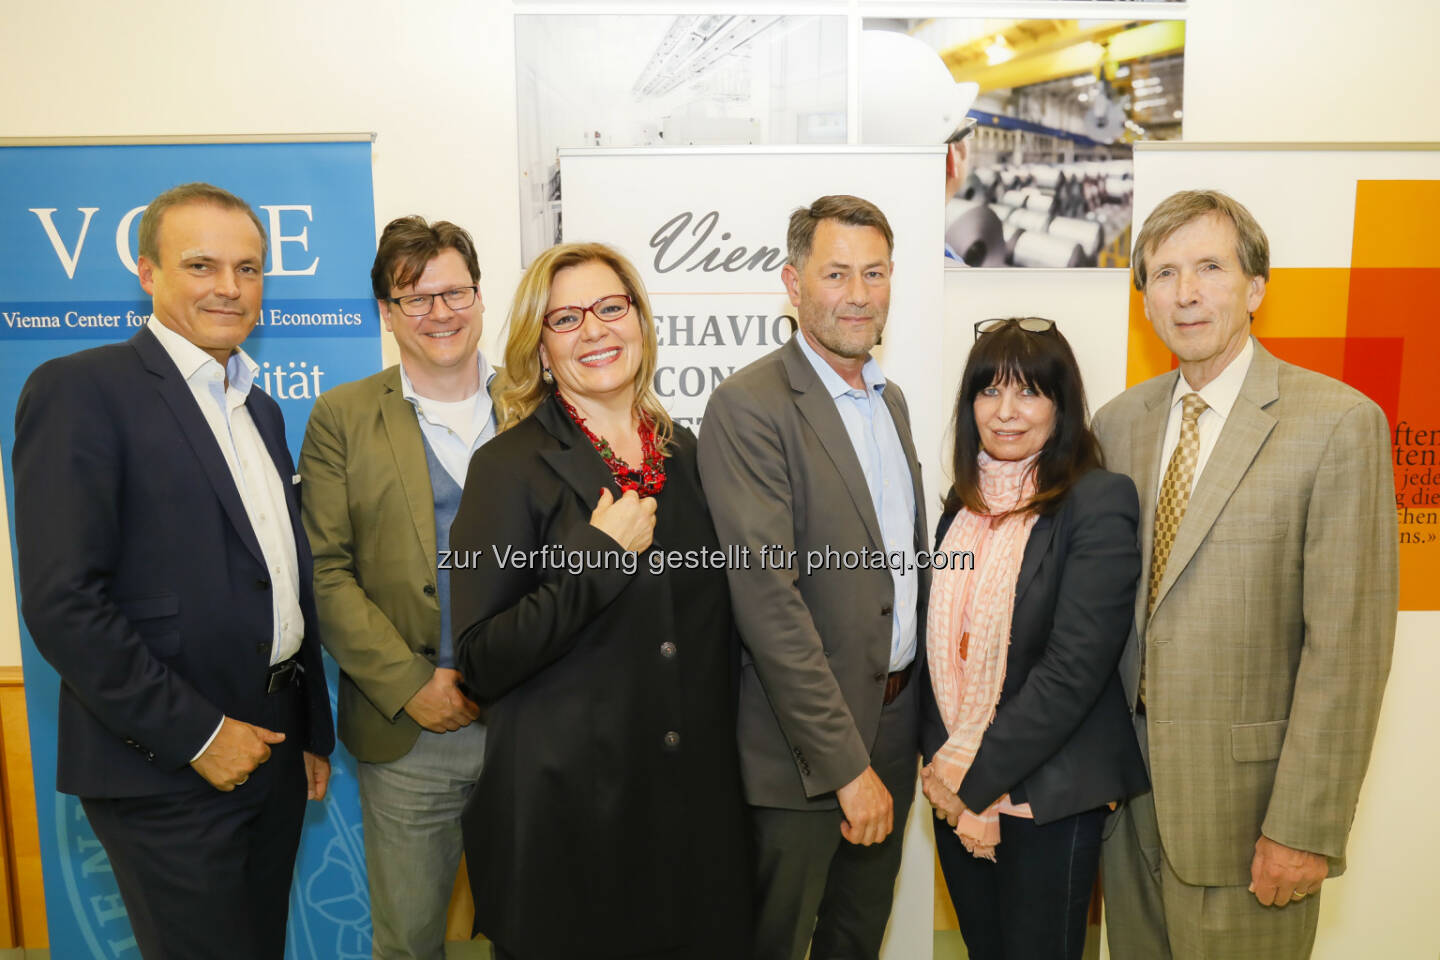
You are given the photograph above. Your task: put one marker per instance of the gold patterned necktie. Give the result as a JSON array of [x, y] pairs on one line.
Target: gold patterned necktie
[[1175, 491], [1180, 477], [1174, 498]]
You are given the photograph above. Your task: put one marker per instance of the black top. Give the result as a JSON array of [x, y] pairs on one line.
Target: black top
[[1062, 739], [608, 819]]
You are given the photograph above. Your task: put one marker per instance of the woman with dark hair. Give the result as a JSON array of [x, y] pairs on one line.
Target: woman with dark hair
[[608, 819], [1026, 726]]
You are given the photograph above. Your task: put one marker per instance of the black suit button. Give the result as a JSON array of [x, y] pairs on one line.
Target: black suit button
[[880, 677], [667, 650], [886, 610], [672, 739], [262, 646], [428, 651], [262, 584], [429, 589]]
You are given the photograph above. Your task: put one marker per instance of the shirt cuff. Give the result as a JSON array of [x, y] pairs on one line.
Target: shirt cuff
[[206, 745]]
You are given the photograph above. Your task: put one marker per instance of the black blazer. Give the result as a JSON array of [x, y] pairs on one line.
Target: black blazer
[[611, 782], [141, 579], [1062, 739]]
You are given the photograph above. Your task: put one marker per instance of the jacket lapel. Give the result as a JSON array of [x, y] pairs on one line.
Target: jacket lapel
[[177, 396], [1241, 438], [902, 429], [1035, 549], [575, 460], [818, 409], [407, 447], [272, 433]]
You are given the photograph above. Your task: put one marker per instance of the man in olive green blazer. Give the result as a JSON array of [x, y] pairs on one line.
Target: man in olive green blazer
[[384, 462], [1265, 635]]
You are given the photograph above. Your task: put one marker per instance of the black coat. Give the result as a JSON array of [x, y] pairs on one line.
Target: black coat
[[1062, 738], [141, 579], [608, 817]]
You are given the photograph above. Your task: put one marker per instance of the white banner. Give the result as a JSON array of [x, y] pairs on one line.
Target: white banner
[[706, 228]]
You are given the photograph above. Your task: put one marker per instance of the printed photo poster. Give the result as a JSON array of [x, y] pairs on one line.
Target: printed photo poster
[[1354, 279], [69, 216], [1040, 117], [627, 79]]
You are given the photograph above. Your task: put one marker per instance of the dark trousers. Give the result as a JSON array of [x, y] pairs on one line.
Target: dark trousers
[[1032, 902], [205, 875], [810, 879]]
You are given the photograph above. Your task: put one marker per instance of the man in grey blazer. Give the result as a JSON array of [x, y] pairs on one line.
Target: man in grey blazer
[[1266, 610], [806, 455]]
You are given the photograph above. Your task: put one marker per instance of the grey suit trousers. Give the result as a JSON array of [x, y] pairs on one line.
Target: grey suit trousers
[[811, 883]]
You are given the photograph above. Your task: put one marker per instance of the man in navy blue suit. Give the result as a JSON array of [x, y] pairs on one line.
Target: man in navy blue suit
[[164, 573]]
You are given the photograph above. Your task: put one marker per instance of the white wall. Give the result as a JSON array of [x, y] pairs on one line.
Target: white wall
[[435, 81]]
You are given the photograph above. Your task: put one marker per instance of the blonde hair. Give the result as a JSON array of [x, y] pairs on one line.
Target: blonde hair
[[521, 389]]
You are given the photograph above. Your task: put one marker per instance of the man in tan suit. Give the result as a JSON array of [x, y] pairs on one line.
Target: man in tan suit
[[1266, 610], [384, 462]]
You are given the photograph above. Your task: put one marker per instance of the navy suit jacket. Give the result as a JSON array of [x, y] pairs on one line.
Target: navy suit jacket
[[1062, 739], [141, 579]]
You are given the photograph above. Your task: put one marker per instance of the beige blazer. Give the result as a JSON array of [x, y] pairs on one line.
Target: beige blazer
[[1268, 649], [779, 469], [370, 515]]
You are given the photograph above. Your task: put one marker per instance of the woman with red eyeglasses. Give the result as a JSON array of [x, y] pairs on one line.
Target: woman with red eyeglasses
[[592, 619]]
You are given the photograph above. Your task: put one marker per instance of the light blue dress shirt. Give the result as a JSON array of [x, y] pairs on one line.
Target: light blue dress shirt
[[877, 446]]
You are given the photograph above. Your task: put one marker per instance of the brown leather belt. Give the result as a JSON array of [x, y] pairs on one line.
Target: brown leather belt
[[895, 683]]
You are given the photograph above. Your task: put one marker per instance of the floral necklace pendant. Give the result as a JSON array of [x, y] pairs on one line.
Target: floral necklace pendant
[[649, 479]]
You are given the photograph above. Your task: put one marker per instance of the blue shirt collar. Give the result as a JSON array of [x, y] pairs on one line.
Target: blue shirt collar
[[835, 384]]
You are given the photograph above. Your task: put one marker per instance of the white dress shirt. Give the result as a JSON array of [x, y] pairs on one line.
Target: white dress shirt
[[455, 429], [1219, 395], [261, 488]]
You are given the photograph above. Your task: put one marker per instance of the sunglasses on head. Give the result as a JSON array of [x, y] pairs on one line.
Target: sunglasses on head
[[1028, 324]]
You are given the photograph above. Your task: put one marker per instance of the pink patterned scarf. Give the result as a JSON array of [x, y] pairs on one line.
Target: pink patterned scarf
[[968, 633]]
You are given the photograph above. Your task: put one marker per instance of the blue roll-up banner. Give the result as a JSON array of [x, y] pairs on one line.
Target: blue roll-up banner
[[68, 222]]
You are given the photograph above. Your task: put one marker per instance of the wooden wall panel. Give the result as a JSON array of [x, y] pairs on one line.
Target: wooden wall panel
[[9, 934], [22, 834]]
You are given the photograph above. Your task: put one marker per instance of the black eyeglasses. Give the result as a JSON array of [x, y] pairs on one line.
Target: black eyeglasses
[[610, 309], [1028, 324], [419, 304], [967, 126]]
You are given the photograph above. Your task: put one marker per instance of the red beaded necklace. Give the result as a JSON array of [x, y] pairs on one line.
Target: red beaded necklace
[[649, 479]]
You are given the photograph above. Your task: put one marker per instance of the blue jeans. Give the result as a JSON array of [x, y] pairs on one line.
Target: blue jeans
[[411, 811], [1030, 904]]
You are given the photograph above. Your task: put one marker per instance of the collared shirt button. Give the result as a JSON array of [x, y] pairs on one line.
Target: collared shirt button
[[667, 649]]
